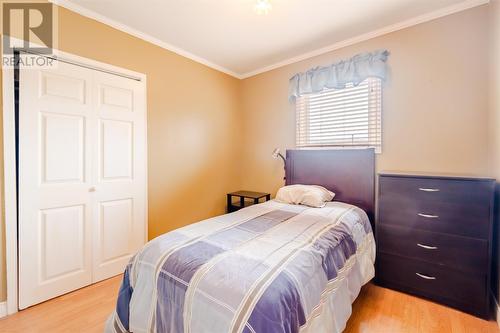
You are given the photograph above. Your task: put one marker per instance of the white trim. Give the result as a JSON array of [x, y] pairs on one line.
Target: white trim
[[139, 34], [3, 309], [10, 156], [497, 314], [467, 4], [464, 5], [146, 179], [497, 308]]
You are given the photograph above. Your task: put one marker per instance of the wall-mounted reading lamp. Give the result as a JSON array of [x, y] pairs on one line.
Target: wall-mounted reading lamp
[[276, 154]]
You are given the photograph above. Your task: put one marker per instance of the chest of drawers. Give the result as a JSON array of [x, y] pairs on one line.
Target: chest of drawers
[[434, 238]]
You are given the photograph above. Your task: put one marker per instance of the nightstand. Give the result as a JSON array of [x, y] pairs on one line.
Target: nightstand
[[253, 198]]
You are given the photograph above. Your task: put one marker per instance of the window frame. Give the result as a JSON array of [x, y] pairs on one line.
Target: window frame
[[374, 112]]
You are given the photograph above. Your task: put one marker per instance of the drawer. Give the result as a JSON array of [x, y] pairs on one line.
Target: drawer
[[460, 253], [470, 192], [444, 217], [433, 281]]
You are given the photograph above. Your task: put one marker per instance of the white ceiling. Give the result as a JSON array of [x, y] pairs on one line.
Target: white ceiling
[[230, 36]]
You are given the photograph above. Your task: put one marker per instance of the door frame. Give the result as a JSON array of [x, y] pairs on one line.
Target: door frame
[[9, 159]]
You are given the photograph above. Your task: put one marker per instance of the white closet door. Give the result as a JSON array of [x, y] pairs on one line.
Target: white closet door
[[120, 151], [55, 210], [82, 174]]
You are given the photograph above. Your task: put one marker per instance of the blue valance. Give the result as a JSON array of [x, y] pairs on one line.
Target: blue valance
[[337, 75]]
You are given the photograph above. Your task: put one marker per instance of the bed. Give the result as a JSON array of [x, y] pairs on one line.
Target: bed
[[268, 268]]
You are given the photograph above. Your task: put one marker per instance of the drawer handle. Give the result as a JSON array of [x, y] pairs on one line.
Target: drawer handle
[[429, 189], [426, 277], [429, 216], [427, 247]]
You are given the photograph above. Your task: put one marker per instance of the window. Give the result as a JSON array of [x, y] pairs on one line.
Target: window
[[349, 117]]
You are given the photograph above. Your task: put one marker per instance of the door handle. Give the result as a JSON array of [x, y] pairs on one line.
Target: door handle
[[427, 247], [429, 216], [425, 277], [428, 189]]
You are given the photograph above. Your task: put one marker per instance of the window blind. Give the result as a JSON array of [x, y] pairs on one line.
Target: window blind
[[349, 117]]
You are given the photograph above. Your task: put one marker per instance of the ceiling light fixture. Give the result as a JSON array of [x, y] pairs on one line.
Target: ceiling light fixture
[[263, 7]]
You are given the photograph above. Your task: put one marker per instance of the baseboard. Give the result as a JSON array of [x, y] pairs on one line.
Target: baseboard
[[3, 309], [497, 314], [497, 309]]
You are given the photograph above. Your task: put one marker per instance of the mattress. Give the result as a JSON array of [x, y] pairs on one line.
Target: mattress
[[268, 268]]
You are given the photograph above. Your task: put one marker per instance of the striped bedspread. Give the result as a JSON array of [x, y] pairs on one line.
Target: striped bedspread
[[268, 268]]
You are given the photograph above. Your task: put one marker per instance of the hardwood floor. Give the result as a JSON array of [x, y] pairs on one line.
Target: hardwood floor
[[381, 310], [376, 310], [84, 310]]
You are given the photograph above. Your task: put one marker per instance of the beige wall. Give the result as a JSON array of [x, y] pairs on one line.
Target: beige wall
[[435, 102], [193, 123]]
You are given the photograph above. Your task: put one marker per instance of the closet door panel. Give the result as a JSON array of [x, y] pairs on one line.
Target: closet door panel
[[116, 150], [63, 143], [55, 120], [62, 228], [115, 224], [121, 173]]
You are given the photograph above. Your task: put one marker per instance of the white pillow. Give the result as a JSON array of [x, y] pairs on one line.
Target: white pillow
[[309, 195]]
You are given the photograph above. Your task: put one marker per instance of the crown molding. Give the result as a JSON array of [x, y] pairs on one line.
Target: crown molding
[[464, 5], [467, 4], [141, 35]]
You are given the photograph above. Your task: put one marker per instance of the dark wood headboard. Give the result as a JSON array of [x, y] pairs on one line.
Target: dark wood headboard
[[349, 173]]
